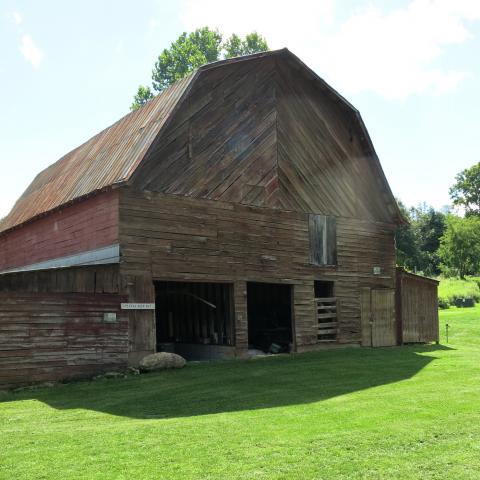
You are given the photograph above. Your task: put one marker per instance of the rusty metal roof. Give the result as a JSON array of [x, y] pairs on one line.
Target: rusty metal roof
[[108, 158]]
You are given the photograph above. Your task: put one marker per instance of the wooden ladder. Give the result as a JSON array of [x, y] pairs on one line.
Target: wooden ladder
[[326, 310]]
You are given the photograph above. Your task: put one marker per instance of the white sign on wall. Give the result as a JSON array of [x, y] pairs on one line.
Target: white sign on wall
[[138, 306]]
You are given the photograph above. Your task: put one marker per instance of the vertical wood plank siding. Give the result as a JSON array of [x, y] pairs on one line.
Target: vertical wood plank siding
[[417, 299], [52, 325], [80, 227], [178, 238]]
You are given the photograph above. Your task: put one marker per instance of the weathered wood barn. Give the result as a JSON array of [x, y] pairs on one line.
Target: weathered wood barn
[[244, 206]]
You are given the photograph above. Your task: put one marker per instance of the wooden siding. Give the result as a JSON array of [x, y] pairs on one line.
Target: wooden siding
[[52, 325], [90, 279], [79, 227], [178, 238], [323, 163], [264, 133], [417, 300], [379, 327], [222, 142]]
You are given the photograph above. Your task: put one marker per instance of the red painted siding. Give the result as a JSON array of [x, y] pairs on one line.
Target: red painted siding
[[87, 225], [53, 336]]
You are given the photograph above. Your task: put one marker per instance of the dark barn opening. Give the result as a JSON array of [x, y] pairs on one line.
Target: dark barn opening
[[324, 289], [269, 317], [194, 319]]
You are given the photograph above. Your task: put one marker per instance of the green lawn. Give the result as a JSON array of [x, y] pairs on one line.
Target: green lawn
[[411, 412]]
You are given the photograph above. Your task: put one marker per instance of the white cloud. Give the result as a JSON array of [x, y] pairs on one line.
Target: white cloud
[[17, 18], [395, 53], [30, 51]]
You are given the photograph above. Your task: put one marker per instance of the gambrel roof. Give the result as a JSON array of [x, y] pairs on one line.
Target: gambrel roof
[[111, 157]]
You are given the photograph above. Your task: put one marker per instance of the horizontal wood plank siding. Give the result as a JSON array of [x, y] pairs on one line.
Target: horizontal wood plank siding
[[52, 325], [53, 336], [80, 227], [180, 238]]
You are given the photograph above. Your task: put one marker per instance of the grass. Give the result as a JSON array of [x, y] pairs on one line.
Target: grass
[[403, 413], [451, 289]]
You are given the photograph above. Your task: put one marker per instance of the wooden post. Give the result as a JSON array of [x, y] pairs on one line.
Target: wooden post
[[398, 305], [141, 324], [241, 318]]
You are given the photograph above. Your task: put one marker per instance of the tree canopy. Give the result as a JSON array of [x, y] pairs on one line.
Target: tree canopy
[[418, 241], [460, 246], [191, 51], [466, 190]]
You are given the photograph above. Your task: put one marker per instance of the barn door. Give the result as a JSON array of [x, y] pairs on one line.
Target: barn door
[[378, 317]]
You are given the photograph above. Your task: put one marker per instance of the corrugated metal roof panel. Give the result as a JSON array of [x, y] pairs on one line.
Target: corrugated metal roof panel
[[108, 158]]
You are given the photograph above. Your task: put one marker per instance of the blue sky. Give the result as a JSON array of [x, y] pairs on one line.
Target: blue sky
[[412, 68]]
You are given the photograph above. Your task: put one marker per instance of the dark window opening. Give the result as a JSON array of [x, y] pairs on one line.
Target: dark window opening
[[193, 314], [323, 239], [269, 317], [323, 289], [326, 309]]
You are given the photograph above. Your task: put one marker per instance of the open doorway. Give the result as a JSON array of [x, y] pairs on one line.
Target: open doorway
[[194, 319], [270, 317]]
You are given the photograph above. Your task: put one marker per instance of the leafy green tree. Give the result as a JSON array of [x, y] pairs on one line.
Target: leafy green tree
[[191, 51], [143, 95], [460, 246], [428, 226], [187, 53], [418, 241], [466, 190], [253, 43], [407, 250]]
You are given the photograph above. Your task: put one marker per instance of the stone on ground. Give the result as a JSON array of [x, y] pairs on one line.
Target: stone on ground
[[161, 361]]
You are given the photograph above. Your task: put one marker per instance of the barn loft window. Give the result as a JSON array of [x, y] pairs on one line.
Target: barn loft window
[[323, 239]]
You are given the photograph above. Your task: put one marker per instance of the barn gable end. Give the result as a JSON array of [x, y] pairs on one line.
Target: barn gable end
[[268, 132]]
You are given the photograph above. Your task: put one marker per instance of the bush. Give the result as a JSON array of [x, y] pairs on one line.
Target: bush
[[456, 292]]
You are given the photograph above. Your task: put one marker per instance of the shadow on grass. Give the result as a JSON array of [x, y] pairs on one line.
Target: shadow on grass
[[214, 387]]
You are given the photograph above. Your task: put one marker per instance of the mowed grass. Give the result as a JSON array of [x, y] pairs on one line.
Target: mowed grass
[[411, 412]]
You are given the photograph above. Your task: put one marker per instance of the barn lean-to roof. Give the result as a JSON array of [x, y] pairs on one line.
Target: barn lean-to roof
[[111, 157]]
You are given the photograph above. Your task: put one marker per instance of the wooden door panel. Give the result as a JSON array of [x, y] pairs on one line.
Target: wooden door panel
[[365, 306], [378, 317], [383, 308]]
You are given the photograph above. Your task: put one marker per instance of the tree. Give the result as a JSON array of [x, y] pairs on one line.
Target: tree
[[143, 95], [466, 191], [191, 51], [407, 251], [460, 246], [253, 43], [428, 227], [418, 241], [187, 53]]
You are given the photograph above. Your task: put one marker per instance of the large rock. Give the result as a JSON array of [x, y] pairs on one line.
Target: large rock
[[161, 361]]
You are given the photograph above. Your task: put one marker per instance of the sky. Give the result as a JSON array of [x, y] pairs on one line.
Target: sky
[[412, 69]]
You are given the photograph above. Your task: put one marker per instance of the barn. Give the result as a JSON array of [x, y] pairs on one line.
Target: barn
[[243, 208]]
